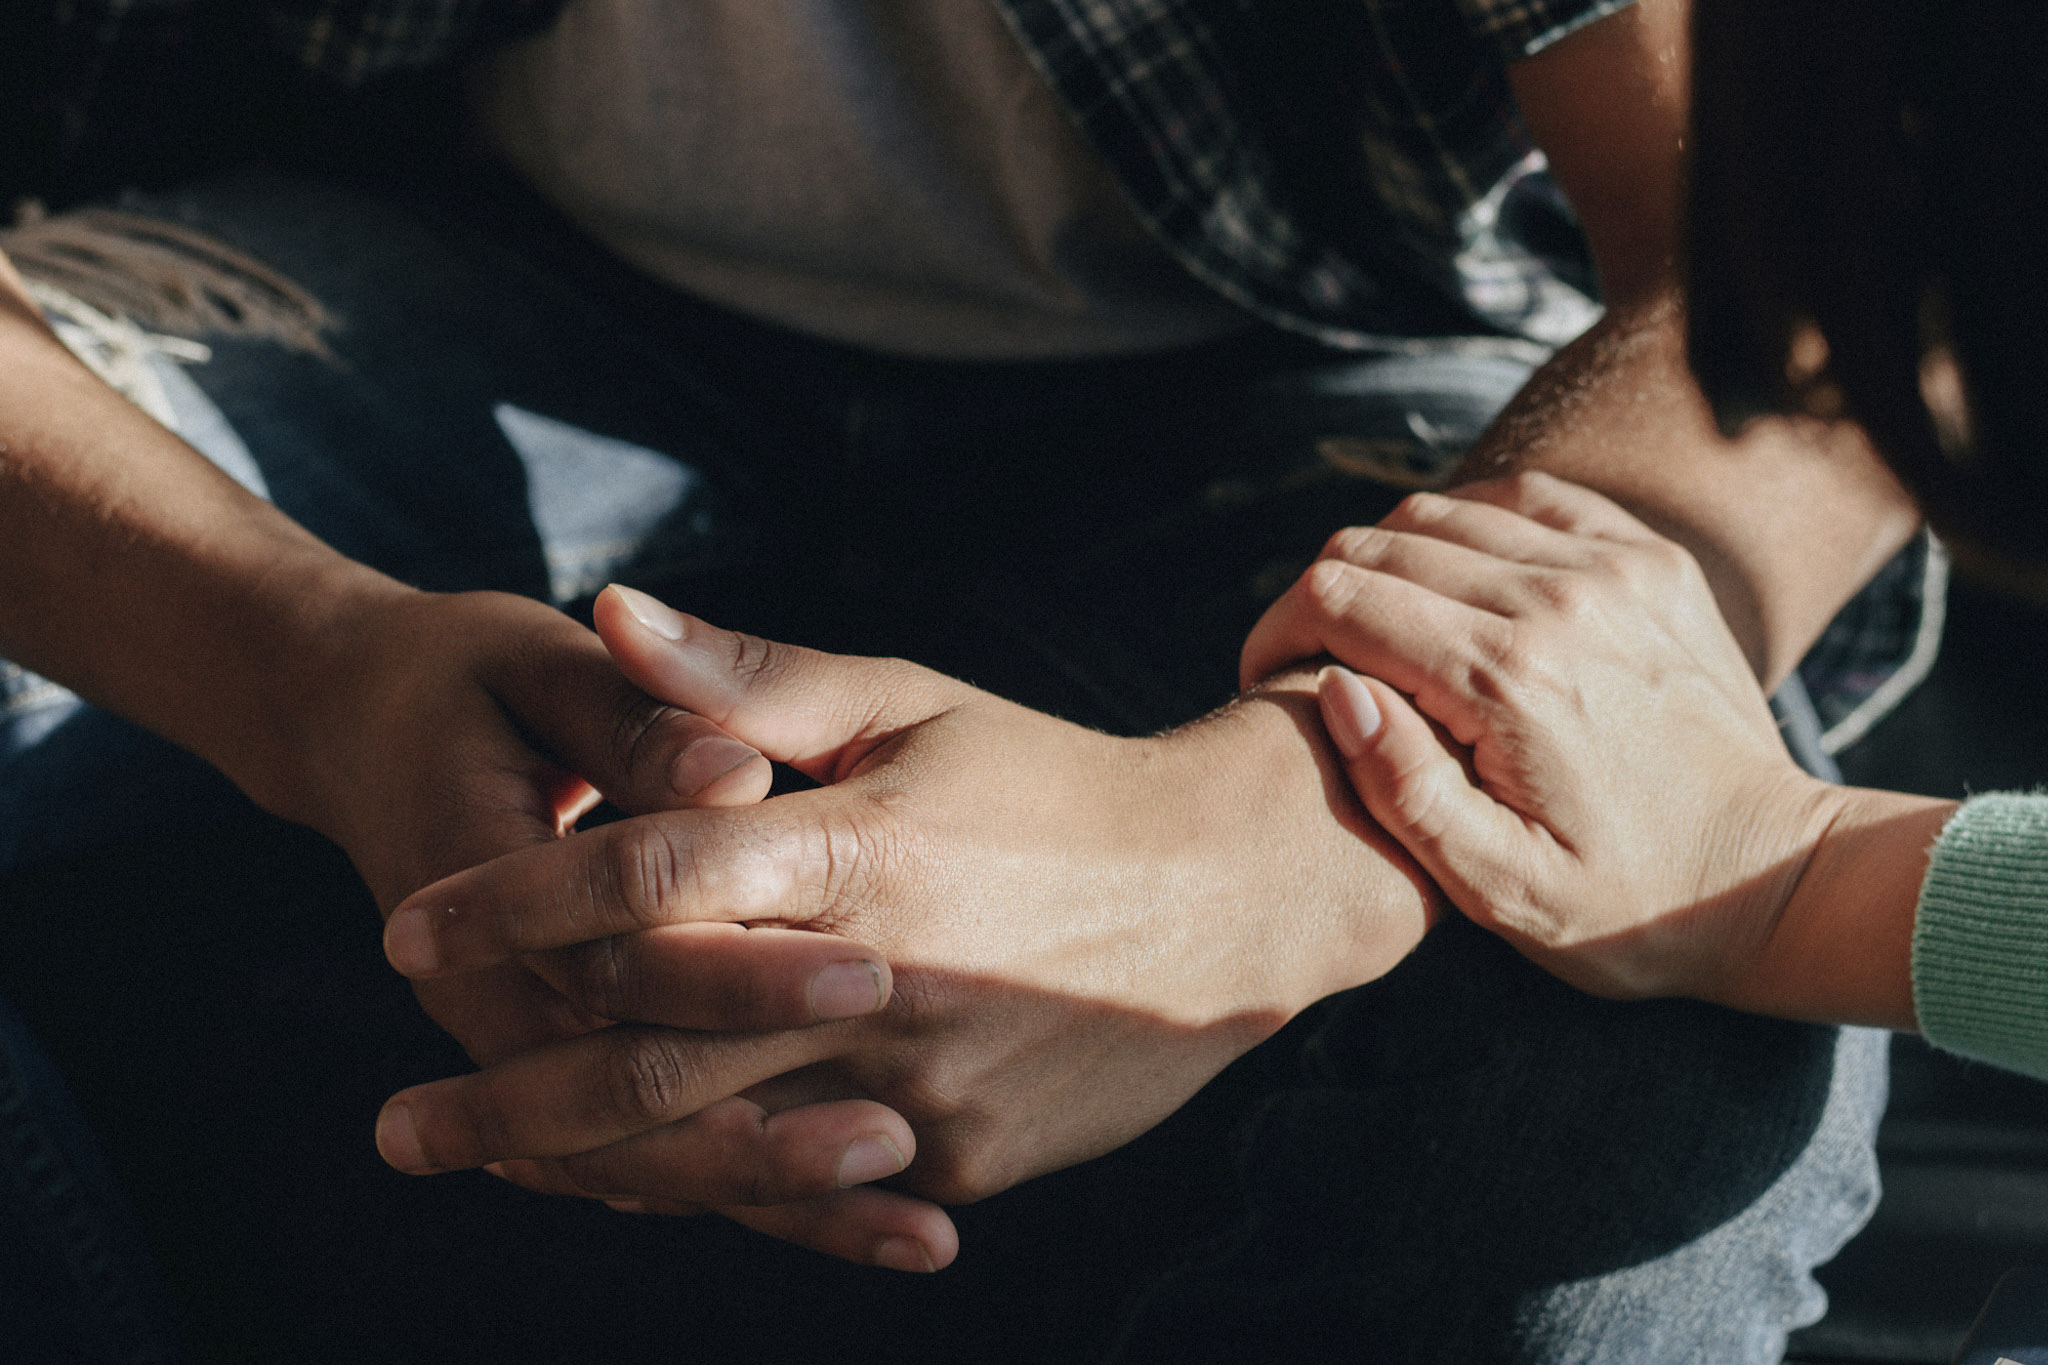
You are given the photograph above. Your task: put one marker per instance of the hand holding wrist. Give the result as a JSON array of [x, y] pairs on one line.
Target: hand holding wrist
[[1623, 810]]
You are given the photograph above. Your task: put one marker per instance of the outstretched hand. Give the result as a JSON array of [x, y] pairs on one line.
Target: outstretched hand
[[1623, 809], [1083, 929]]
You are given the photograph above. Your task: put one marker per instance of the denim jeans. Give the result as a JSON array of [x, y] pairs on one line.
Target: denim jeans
[[76, 1283], [1464, 1161]]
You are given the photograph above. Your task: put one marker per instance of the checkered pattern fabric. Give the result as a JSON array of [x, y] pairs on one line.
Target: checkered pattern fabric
[[347, 41], [1350, 169]]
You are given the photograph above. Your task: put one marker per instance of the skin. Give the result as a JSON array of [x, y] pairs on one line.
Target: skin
[[952, 825], [423, 733], [1617, 409], [1603, 784], [1015, 1043]]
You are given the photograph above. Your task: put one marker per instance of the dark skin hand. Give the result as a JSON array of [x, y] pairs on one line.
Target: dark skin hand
[[1080, 939]]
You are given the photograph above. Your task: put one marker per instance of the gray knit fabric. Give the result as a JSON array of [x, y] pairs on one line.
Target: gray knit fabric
[[1980, 942]]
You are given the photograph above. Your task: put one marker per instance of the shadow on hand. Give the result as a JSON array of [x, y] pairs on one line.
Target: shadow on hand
[[1410, 1158]]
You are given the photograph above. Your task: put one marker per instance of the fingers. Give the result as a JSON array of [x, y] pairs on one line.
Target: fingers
[[720, 976], [1420, 793], [1560, 505], [735, 1152], [582, 1093], [643, 754], [1477, 524], [866, 1226], [769, 862], [1479, 576], [502, 1011], [1422, 642], [821, 713], [1517, 547]]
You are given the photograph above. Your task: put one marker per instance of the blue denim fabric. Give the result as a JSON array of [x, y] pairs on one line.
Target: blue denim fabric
[[1465, 1161], [76, 1283]]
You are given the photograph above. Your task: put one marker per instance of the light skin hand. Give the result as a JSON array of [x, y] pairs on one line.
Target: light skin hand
[[1625, 813], [1084, 929]]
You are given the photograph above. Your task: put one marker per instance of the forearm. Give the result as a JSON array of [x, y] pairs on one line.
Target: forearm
[[1787, 521], [1842, 950], [141, 576]]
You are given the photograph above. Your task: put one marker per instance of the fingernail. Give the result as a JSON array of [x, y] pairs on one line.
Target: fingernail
[[398, 1140], [846, 990], [650, 612], [409, 943], [496, 1168], [626, 1205], [704, 761], [870, 1158], [904, 1253], [1348, 710]]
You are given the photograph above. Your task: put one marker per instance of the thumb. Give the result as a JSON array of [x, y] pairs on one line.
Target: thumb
[[1418, 791], [821, 713]]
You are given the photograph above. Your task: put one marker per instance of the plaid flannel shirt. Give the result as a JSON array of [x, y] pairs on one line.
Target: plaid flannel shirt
[[1354, 170], [1351, 169]]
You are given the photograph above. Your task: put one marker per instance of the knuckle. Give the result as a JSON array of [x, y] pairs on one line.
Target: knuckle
[[1331, 585], [1615, 563], [981, 1168], [1568, 594], [1372, 547], [1673, 561], [640, 871], [640, 730], [1418, 510], [1416, 796], [647, 1079], [1348, 542], [954, 1175], [735, 1163], [1502, 660], [842, 866], [1529, 492], [755, 660]]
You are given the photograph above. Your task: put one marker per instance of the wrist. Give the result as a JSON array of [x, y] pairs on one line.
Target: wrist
[[1329, 899], [145, 579], [286, 667], [1840, 949]]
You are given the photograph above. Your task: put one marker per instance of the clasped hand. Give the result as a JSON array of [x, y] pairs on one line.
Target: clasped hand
[[988, 945]]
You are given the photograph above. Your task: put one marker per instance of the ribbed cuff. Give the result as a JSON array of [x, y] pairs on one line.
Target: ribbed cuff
[[1980, 939]]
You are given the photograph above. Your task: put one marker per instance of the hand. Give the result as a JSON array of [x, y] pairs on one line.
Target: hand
[[1630, 819], [1084, 929], [449, 730]]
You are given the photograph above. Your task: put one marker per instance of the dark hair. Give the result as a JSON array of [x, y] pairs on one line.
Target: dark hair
[[1865, 239]]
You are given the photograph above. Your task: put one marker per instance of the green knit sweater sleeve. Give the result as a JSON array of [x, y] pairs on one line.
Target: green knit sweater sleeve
[[1980, 939]]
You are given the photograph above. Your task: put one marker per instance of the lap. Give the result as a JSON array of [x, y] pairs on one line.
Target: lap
[[1452, 1158]]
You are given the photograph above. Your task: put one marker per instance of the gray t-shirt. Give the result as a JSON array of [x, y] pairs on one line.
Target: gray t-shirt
[[890, 173]]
